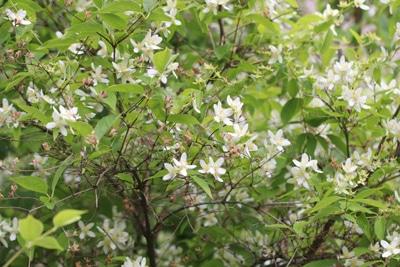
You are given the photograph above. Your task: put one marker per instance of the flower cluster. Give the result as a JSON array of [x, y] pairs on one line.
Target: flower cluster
[[7, 228], [62, 117], [301, 172], [9, 115]]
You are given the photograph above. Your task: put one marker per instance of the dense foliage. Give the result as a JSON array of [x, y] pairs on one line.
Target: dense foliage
[[199, 133]]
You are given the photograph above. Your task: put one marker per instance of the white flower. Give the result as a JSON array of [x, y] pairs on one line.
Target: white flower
[[222, 114], [354, 98], [103, 49], [85, 230], [140, 262], [125, 69], [182, 165], [14, 230], [391, 248], [276, 54], [172, 171], [77, 48], [213, 167], [2, 238], [179, 167], [278, 140], [17, 18], [61, 118], [212, 5], [360, 4], [98, 75]]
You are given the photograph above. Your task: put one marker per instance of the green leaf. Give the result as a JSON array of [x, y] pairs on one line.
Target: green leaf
[[183, 118], [324, 203], [120, 7], [82, 128], [290, 109], [149, 5], [162, 59], [35, 113], [32, 183], [357, 37], [48, 202], [104, 125], [125, 177], [113, 20], [49, 242], [16, 80], [379, 228], [110, 100], [58, 174], [30, 228], [320, 263], [293, 87], [203, 184], [222, 51], [327, 42], [278, 226], [371, 202], [266, 23], [363, 223], [88, 28], [67, 216], [338, 142], [126, 88]]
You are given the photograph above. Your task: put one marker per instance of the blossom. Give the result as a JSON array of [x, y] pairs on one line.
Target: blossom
[[278, 140], [13, 230], [77, 48], [125, 69], [276, 54], [61, 118], [354, 98], [17, 18], [213, 167], [212, 5], [2, 238], [179, 167], [98, 75], [360, 4], [140, 262], [222, 114], [85, 230], [103, 49], [391, 248]]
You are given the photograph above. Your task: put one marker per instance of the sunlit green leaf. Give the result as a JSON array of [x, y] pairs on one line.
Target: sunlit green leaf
[[31, 183], [67, 216], [30, 228]]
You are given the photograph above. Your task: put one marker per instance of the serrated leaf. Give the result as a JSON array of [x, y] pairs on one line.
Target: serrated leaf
[[67, 216], [183, 118], [125, 88], [203, 184], [290, 109], [32, 183], [104, 125], [49, 242], [30, 228]]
